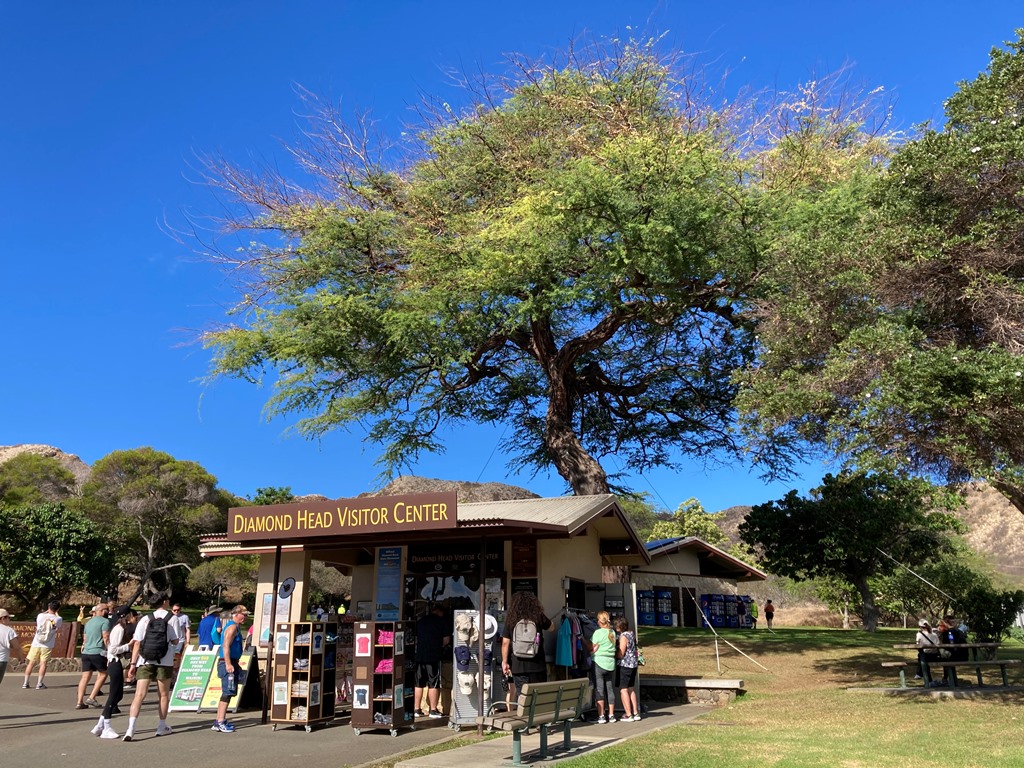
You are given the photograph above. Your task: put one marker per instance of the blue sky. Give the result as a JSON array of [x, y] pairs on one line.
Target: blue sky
[[104, 106]]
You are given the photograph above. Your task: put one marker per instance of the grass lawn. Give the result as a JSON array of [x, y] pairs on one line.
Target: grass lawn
[[799, 713]]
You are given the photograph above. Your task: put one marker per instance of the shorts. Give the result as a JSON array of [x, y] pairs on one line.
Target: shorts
[[154, 672], [428, 674], [627, 677], [94, 662], [3, 670], [38, 653]]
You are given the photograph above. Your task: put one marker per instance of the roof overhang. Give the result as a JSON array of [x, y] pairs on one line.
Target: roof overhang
[[713, 561]]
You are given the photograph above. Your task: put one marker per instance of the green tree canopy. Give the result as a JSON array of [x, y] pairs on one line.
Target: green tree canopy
[[47, 551], [571, 254], [853, 527], [895, 340], [155, 507], [29, 478]]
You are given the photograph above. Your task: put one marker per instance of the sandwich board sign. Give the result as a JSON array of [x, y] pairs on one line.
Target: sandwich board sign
[[197, 667]]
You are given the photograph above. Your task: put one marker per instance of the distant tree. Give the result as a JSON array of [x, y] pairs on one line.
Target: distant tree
[[853, 527], [689, 519], [990, 612], [272, 495], [29, 478], [154, 507], [47, 551], [217, 574]]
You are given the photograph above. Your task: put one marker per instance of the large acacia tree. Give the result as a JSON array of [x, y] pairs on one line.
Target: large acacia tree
[[570, 254]]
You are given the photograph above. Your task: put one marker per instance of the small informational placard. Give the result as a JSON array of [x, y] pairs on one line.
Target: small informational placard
[[213, 688], [389, 583], [193, 677]]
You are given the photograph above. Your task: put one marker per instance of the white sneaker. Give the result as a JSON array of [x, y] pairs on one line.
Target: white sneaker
[[110, 733], [635, 718], [164, 730], [602, 720], [97, 729], [611, 718], [128, 736]]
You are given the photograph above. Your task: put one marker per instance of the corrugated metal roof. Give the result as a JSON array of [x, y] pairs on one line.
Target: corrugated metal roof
[[569, 512]]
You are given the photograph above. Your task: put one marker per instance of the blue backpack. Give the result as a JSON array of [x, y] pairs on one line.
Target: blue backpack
[[217, 633]]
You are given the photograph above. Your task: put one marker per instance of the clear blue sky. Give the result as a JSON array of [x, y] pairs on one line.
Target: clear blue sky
[[104, 105]]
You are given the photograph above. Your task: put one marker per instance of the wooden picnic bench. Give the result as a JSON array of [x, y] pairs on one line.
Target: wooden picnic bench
[[541, 706], [952, 666], [977, 665]]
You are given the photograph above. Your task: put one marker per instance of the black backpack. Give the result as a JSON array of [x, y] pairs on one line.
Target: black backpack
[[155, 643]]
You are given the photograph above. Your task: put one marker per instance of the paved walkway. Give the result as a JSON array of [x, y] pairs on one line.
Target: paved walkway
[[44, 728]]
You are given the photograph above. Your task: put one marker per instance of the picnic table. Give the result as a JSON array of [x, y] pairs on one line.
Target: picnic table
[[952, 666]]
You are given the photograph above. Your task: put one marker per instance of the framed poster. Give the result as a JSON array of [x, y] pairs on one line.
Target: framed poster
[[281, 645], [283, 611], [318, 642], [364, 645], [399, 643], [314, 694], [399, 695], [281, 693], [361, 697]]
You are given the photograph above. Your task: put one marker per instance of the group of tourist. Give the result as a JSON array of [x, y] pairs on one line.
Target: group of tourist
[[929, 650], [123, 649]]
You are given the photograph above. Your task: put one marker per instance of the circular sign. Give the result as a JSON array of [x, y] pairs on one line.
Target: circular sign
[[286, 589]]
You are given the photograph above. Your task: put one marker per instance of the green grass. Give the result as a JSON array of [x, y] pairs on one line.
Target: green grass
[[799, 713]]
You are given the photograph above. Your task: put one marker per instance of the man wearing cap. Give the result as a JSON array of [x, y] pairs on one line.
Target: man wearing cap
[[48, 623], [927, 643], [94, 656], [432, 635], [228, 666], [10, 645]]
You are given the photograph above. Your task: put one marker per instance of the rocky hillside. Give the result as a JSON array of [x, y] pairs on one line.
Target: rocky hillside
[[75, 465]]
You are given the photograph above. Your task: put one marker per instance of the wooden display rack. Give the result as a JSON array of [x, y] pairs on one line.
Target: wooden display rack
[[304, 676], [382, 692]]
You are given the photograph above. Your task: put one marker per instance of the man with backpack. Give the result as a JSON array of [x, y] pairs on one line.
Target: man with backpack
[[522, 641], [153, 658]]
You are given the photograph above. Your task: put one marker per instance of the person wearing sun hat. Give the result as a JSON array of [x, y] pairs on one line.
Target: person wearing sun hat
[[927, 643], [9, 643]]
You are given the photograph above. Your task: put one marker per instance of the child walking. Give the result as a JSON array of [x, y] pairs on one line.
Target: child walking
[[603, 649], [627, 670]]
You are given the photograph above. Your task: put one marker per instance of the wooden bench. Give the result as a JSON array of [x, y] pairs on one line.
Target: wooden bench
[[541, 706], [977, 665]]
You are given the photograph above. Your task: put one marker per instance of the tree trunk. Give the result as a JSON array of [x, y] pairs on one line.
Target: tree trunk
[[869, 614], [1013, 493], [581, 471]]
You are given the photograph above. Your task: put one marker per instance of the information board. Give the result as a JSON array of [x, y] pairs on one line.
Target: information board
[[193, 678]]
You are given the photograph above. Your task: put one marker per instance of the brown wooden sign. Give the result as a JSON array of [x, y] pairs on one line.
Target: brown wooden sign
[[343, 517]]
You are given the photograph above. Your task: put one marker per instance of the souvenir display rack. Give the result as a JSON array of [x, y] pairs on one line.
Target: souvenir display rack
[[304, 689], [382, 680]]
